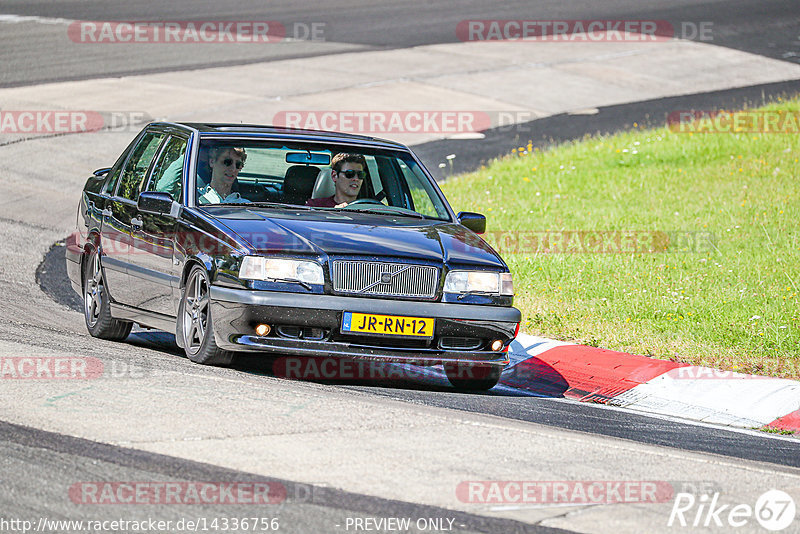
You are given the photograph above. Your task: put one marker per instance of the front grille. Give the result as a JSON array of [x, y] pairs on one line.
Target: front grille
[[378, 278]]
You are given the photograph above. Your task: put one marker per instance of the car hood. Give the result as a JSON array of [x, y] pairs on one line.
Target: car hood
[[329, 233]]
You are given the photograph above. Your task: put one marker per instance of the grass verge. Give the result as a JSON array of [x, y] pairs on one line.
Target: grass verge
[[681, 246]]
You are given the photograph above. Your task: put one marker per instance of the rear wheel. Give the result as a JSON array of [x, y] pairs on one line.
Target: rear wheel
[[472, 377], [196, 324], [96, 305]]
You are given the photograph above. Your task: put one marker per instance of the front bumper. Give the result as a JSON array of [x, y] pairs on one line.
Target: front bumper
[[236, 312]]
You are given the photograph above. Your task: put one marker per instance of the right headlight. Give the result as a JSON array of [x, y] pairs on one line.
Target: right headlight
[[261, 268], [479, 282]]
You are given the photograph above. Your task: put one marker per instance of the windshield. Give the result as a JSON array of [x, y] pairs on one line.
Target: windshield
[[315, 176]]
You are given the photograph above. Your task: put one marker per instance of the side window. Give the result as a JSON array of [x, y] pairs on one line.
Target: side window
[[116, 170], [168, 170], [422, 194], [374, 175], [111, 184], [136, 167]]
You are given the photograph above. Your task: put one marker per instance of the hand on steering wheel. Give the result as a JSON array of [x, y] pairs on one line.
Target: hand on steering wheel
[[365, 201]]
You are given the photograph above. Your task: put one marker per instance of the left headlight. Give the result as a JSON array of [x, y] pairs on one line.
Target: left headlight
[[260, 268], [479, 282]]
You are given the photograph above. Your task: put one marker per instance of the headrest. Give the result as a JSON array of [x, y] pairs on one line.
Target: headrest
[[323, 187], [298, 183]]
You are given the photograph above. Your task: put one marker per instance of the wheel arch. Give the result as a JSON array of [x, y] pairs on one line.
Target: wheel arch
[[202, 261], [92, 243]]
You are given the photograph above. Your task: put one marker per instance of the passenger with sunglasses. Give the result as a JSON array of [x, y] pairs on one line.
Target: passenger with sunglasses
[[225, 163], [347, 172]]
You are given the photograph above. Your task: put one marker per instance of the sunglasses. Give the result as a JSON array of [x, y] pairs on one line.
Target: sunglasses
[[229, 161], [350, 173]]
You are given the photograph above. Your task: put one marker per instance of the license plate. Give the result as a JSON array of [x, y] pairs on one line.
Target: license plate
[[389, 325]]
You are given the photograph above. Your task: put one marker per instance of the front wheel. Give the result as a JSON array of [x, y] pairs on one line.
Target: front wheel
[[196, 323], [473, 377], [96, 305]]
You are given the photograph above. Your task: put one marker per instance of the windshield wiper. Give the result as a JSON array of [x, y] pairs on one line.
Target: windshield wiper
[[281, 206], [389, 210], [266, 205]]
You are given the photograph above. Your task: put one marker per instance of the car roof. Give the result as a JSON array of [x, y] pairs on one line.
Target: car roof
[[269, 131]]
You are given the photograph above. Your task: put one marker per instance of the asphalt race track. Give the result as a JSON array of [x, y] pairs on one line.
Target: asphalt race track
[[519, 405], [33, 53], [341, 450]]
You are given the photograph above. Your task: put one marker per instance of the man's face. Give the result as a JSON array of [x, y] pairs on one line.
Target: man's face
[[225, 169], [348, 188]]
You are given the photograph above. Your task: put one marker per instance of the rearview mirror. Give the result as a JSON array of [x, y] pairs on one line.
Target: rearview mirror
[[308, 158], [474, 221]]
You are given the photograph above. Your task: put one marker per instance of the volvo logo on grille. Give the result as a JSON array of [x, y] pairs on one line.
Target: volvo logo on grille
[[386, 277]]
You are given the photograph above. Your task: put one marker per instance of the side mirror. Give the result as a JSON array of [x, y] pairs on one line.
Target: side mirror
[[474, 221], [157, 203]]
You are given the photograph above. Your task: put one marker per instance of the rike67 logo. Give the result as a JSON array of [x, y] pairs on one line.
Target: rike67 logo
[[774, 510]]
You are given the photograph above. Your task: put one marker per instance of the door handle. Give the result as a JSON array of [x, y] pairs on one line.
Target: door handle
[[136, 224]]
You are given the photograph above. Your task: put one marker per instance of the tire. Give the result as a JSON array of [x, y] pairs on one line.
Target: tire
[[196, 326], [96, 305], [472, 377]]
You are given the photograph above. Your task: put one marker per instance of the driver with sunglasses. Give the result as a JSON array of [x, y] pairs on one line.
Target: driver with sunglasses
[[347, 172], [225, 163]]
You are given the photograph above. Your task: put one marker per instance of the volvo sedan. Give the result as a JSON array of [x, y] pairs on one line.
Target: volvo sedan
[[290, 242]]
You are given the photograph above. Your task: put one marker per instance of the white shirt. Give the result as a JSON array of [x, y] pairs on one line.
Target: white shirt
[[209, 195]]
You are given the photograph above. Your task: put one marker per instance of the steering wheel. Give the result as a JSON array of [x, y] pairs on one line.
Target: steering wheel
[[365, 201]]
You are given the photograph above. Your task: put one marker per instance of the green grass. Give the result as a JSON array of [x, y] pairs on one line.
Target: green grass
[[728, 300], [773, 430]]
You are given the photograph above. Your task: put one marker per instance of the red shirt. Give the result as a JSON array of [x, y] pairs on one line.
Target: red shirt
[[327, 202]]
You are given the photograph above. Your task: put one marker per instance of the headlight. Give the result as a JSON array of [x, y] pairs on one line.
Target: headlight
[[260, 268], [479, 282]]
